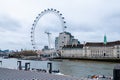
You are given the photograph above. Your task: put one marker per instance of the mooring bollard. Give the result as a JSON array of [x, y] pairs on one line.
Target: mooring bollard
[[19, 63], [116, 72], [49, 65], [1, 62], [27, 66]]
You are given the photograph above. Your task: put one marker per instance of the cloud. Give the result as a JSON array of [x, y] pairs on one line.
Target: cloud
[[87, 20], [112, 22], [8, 23]]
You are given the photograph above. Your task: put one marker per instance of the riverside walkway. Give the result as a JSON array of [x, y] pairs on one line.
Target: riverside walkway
[[12, 74]]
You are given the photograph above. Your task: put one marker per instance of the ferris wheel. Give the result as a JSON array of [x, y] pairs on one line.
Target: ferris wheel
[[46, 11]]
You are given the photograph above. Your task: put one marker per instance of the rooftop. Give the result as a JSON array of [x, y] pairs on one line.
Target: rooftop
[[102, 44], [73, 46]]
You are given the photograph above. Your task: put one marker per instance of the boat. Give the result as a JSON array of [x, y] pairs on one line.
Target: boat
[[99, 77]]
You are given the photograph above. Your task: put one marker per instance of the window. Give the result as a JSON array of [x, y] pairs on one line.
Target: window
[[117, 51], [118, 56], [104, 54]]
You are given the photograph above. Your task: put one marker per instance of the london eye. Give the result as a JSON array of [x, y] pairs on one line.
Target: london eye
[[35, 23]]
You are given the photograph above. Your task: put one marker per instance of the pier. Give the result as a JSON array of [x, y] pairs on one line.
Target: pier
[[12, 74]]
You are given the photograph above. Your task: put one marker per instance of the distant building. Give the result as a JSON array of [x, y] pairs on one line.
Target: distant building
[[46, 48], [65, 38], [75, 42], [4, 52], [56, 43], [46, 51], [101, 50], [91, 49], [72, 51], [95, 50]]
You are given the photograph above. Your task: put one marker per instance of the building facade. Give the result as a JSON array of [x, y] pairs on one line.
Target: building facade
[[96, 50], [65, 38], [72, 51]]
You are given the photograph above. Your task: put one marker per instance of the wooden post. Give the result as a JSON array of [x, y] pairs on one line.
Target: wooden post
[[116, 72]]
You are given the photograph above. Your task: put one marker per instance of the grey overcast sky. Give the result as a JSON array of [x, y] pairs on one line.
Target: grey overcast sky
[[87, 20]]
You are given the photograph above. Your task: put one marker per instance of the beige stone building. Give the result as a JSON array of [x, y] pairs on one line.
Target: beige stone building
[[72, 51], [92, 50], [101, 50]]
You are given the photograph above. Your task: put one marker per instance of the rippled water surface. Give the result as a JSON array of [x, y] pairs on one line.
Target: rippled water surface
[[73, 68]]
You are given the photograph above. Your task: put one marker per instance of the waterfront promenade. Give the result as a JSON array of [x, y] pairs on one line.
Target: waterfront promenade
[[12, 74]]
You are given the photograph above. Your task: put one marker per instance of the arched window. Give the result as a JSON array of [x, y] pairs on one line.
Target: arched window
[[104, 54], [117, 55]]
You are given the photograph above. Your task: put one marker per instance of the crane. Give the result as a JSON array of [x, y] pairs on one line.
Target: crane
[[49, 41]]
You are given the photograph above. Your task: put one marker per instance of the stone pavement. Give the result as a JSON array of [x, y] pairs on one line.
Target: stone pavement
[[11, 74]]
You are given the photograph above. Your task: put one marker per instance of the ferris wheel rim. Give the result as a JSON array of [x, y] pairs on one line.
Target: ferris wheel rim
[[45, 11]]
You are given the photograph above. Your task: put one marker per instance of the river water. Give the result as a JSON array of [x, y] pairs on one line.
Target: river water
[[67, 67]]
